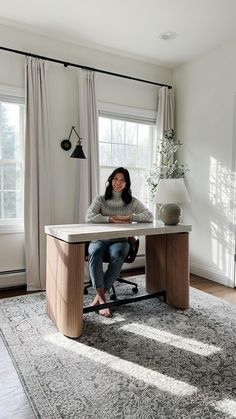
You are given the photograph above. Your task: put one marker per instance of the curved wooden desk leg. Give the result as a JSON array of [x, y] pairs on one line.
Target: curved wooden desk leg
[[155, 263], [167, 267], [64, 285], [177, 284]]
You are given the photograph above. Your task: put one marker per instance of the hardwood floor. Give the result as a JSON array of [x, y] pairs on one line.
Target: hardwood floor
[[18, 407], [13, 292], [210, 287]]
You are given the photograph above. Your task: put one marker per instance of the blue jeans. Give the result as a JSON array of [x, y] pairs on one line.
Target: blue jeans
[[114, 253]]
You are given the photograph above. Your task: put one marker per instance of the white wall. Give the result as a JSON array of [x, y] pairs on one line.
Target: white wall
[[63, 108], [205, 90]]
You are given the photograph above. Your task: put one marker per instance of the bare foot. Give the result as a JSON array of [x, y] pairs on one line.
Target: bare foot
[[101, 299], [105, 312]]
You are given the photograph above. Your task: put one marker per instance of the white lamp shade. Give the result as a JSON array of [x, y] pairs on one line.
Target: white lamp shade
[[171, 191]]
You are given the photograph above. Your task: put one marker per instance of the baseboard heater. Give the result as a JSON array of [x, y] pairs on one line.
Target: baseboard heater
[[12, 271], [12, 278]]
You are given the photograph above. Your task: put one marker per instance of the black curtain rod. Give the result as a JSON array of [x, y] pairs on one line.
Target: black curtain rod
[[67, 63]]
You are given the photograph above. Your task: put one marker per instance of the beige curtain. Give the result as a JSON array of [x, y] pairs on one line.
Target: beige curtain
[[87, 178], [37, 198], [165, 116], [165, 111]]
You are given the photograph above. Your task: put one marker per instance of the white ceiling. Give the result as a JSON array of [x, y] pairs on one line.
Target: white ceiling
[[129, 27]]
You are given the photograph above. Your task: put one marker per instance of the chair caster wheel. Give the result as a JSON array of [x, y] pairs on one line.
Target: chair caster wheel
[[135, 289], [85, 291]]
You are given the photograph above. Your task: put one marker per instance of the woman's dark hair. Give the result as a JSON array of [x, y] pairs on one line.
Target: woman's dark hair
[[126, 193]]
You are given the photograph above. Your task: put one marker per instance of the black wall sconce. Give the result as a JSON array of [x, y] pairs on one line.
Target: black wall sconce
[[78, 151]]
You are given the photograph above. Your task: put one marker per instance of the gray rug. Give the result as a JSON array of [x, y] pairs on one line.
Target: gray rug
[[148, 361]]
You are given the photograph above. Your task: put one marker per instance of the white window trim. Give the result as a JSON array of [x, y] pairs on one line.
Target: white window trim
[[11, 227]]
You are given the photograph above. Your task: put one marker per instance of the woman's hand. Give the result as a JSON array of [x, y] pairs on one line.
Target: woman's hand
[[120, 219]]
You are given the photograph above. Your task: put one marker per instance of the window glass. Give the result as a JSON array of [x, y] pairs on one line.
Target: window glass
[[131, 133], [117, 155], [105, 153], [127, 144], [105, 129], [145, 154], [104, 174], [117, 131], [11, 161]]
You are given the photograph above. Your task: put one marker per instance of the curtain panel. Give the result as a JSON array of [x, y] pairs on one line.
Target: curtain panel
[[165, 117], [87, 174], [37, 190]]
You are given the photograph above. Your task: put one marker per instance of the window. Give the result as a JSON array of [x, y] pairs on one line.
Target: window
[[11, 158], [129, 144]]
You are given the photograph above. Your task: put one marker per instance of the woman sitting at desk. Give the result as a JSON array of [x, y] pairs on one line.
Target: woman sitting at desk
[[119, 207]]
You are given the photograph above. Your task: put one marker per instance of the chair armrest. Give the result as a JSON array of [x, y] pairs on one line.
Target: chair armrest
[[134, 245], [86, 251]]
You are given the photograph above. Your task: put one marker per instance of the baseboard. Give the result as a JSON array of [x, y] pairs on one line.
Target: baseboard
[[211, 274], [12, 280]]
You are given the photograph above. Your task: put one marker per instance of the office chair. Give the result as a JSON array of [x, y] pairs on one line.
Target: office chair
[[134, 245]]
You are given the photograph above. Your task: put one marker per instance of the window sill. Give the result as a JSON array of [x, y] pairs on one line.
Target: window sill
[[11, 228]]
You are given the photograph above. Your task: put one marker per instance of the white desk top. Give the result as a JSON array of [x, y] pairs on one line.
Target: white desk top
[[77, 233]]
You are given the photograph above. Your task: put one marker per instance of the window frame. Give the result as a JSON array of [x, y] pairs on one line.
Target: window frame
[[13, 94]]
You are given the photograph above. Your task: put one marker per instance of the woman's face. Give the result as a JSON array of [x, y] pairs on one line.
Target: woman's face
[[118, 182]]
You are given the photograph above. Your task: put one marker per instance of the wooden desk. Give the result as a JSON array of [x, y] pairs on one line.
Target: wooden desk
[[167, 266]]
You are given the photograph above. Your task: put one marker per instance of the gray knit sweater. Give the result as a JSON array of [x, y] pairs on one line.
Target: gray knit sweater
[[100, 210]]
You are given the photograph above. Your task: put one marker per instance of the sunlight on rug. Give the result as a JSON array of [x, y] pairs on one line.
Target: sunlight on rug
[[162, 336], [148, 361], [227, 406], [131, 369]]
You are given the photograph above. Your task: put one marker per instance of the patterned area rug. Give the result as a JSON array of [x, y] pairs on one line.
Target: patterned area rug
[[148, 361]]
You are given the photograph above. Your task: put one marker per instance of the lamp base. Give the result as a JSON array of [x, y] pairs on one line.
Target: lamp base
[[170, 214]]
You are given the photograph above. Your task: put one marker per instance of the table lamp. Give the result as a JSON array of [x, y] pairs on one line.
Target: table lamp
[[170, 193]]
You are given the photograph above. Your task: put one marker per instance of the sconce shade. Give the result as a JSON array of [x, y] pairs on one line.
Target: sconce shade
[[170, 193], [78, 152]]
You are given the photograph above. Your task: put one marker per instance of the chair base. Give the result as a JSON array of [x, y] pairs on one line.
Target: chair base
[[123, 281]]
